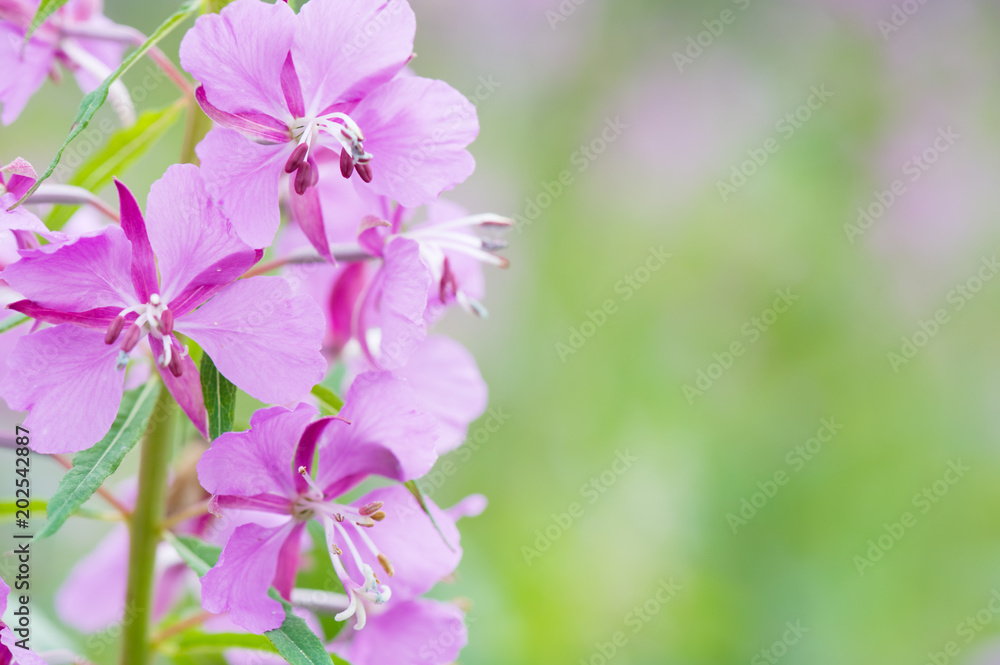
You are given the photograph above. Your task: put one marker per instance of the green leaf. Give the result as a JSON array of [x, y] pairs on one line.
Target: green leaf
[[330, 404], [294, 640], [45, 10], [123, 148], [220, 398], [12, 321], [92, 101], [419, 496], [198, 642], [93, 466], [8, 508]]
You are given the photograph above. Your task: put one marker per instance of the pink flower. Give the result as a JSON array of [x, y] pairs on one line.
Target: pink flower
[[10, 653], [269, 468], [288, 89], [260, 336], [74, 35]]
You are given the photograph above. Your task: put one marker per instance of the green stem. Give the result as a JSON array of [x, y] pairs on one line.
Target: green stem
[[144, 526]]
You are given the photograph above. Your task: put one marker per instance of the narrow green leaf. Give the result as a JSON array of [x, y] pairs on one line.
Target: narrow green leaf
[[12, 321], [220, 398], [123, 148], [294, 640], [419, 496], [198, 642], [8, 508], [330, 404], [93, 100], [93, 466], [46, 9]]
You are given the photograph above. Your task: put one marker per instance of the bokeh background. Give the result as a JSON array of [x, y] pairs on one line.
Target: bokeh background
[[727, 536]]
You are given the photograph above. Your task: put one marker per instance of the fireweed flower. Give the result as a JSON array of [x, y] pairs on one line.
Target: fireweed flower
[[287, 88], [260, 336], [16, 179], [10, 652], [65, 37], [269, 468]]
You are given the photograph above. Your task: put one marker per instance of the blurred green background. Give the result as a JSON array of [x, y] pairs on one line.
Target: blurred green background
[[728, 525]]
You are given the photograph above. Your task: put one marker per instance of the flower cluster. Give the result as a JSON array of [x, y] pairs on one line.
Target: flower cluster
[[307, 256]]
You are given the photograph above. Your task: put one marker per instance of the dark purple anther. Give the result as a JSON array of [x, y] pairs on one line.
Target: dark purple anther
[[175, 364], [364, 171], [297, 158], [302, 178], [132, 336], [167, 322], [114, 330], [346, 163]]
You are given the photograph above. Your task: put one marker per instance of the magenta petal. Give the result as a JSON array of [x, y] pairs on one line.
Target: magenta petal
[[66, 377], [259, 460], [291, 88], [237, 55], [97, 266], [342, 301], [388, 435], [409, 539], [24, 72], [143, 261], [345, 48], [255, 125], [396, 302], [447, 384], [306, 210], [288, 562], [195, 244], [418, 130], [261, 503], [186, 388], [416, 632], [93, 596], [243, 176], [95, 319], [245, 571], [262, 338]]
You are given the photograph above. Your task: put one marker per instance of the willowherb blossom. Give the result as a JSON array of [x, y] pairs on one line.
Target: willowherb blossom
[[16, 179], [260, 336], [75, 35], [269, 468], [10, 652], [290, 89]]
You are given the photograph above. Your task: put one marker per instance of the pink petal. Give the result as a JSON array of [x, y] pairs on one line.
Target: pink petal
[[387, 436], [262, 338], [134, 227], [237, 55], [416, 632], [243, 177], [93, 596], [259, 460], [418, 130], [98, 266], [344, 48], [186, 388], [239, 582], [66, 377], [24, 72]]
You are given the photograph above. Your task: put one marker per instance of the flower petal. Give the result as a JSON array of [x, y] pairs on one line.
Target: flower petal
[[418, 130], [345, 48], [245, 571], [66, 377], [387, 436], [416, 632], [93, 596], [24, 71], [243, 177], [143, 262], [195, 244], [237, 55], [186, 388], [253, 125], [98, 266], [262, 338], [259, 460]]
